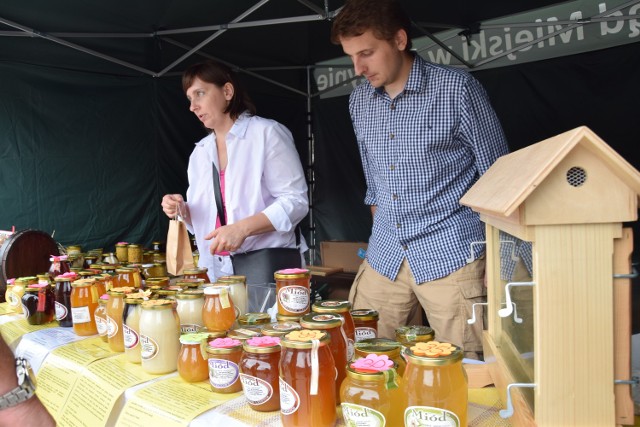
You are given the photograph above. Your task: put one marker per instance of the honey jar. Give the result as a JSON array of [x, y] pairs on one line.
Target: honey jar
[[218, 313], [382, 346], [84, 301], [293, 291], [131, 326], [341, 308], [435, 384], [366, 323], [196, 273], [307, 380], [192, 359], [134, 254], [159, 336], [408, 335], [190, 305], [224, 360], [259, 373], [100, 317]]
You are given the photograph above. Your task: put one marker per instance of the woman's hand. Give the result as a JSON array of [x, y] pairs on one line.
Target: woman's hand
[[226, 238], [173, 205]]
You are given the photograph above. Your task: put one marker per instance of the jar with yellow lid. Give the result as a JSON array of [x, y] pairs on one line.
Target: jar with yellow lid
[[392, 349], [84, 301], [131, 326], [224, 369], [307, 389], [122, 253], [218, 313], [7, 292], [366, 323], [192, 359], [342, 308], [115, 310], [408, 335], [259, 373], [190, 305], [196, 273], [332, 324], [254, 319], [280, 329], [127, 276], [159, 336], [17, 291], [293, 291], [435, 384], [134, 253], [372, 394]]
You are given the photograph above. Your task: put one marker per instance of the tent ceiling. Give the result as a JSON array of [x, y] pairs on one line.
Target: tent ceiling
[[158, 37]]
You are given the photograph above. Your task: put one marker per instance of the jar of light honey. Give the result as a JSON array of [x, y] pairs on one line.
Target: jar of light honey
[[127, 276], [190, 305], [115, 310], [333, 324], [382, 346], [342, 308], [192, 359], [293, 291], [366, 323], [218, 313], [84, 301], [224, 365], [159, 336], [100, 317], [372, 393], [131, 326], [435, 384], [307, 380], [259, 373]]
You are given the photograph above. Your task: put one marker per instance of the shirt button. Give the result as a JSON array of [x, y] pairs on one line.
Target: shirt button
[[391, 136], [392, 106], [405, 247], [394, 197], [392, 167], [398, 225]]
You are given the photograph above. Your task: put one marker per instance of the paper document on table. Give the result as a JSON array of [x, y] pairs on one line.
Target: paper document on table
[[35, 346], [148, 406], [13, 331]]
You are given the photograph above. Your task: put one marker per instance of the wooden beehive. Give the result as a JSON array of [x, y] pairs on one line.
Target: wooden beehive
[[567, 195]]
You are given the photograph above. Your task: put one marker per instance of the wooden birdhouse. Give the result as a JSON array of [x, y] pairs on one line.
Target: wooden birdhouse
[[558, 278]]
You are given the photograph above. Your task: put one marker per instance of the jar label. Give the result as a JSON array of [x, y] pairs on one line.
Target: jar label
[[80, 314], [61, 311], [365, 333], [256, 390], [222, 373], [131, 338], [101, 325], [112, 327], [289, 398], [426, 416], [362, 416], [148, 347], [294, 299], [189, 328]]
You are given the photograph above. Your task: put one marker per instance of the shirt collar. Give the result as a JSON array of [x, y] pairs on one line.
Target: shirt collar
[[417, 81], [239, 128]]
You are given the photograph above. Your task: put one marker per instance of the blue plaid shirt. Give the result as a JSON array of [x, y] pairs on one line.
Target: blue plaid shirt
[[421, 152]]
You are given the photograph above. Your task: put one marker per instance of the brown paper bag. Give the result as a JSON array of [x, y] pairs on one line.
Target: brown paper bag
[[178, 250]]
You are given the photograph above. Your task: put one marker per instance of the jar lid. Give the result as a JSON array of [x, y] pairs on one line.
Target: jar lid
[[195, 270], [243, 334], [190, 294], [262, 345], [194, 338], [321, 321], [224, 346], [133, 245], [330, 306], [365, 314], [304, 338], [415, 333], [248, 319], [292, 273], [157, 304], [192, 283], [280, 329], [215, 289], [157, 280], [433, 353], [232, 279], [81, 283], [287, 318], [378, 346]]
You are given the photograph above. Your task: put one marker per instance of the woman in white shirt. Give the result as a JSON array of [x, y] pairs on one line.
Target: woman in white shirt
[[264, 192]]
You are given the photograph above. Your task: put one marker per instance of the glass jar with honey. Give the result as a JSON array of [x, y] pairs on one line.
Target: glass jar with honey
[[382, 346], [366, 323], [307, 380], [131, 326], [218, 313], [196, 273], [435, 384], [342, 308], [192, 359], [333, 324], [293, 291], [127, 276], [159, 336], [115, 310], [372, 393], [38, 303], [224, 365], [259, 373], [100, 317], [84, 301], [134, 253], [122, 253], [190, 305]]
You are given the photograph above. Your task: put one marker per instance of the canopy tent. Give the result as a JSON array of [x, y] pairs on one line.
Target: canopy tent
[[95, 127]]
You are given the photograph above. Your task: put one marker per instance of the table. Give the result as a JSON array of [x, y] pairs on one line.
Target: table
[[83, 383]]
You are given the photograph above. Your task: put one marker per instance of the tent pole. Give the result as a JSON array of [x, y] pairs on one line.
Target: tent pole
[[311, 178]]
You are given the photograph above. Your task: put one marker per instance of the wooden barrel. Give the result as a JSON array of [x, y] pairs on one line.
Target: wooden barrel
[[25, 253]]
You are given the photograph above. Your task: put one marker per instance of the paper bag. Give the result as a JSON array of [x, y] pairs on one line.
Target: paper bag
[[178, 250]]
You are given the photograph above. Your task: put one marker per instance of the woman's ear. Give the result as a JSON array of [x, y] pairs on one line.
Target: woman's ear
[[228, 91]]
